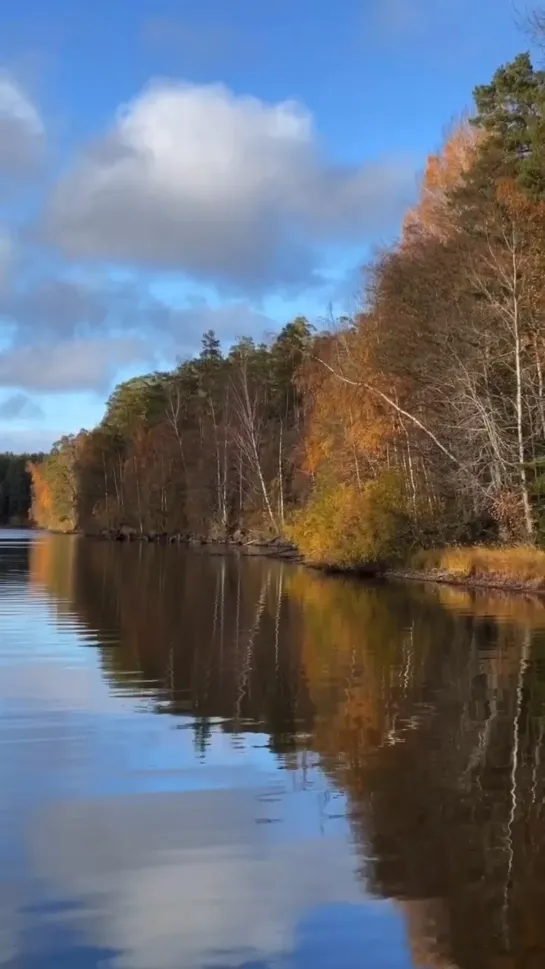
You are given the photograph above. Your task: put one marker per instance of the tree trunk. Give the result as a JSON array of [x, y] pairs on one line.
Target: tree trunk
[[528, 519], [280, 479]]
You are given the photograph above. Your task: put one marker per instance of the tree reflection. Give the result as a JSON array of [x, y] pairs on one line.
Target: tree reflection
[[425, 707], [437, 736], [197, 633]]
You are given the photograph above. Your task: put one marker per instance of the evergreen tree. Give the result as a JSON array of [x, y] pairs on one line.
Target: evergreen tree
[[511, 109]]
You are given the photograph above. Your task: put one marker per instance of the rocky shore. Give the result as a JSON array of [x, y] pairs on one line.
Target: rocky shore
[[273, 547], [534, 587]]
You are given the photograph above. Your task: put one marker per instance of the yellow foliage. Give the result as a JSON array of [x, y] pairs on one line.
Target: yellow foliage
[[44, 512], [41, 495], [522, 564], [347, 428], [343, 526]]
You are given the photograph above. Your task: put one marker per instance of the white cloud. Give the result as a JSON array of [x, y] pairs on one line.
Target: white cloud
[[21, 130], [221, 187], [80, 364]]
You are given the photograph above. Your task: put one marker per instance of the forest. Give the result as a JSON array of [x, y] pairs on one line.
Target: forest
[[417, 423], [15, 488]]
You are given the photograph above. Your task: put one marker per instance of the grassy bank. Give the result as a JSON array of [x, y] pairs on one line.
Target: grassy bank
[[516, 567]]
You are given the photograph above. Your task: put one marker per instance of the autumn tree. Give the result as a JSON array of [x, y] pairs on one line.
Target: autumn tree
[[55, 486], [444, 172]]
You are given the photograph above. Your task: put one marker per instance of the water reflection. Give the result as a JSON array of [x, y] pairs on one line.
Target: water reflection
[[343, 775]]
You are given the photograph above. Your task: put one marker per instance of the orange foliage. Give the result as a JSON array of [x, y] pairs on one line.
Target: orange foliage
[[444, 172], [41, 507], [347, 427]]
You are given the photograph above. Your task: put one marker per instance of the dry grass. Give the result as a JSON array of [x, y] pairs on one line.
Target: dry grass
[[518, 565]]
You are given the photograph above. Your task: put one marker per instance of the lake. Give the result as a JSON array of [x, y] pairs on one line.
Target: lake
[[222, 761]]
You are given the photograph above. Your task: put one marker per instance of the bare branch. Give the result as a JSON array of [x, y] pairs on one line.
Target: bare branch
[[391, 403]]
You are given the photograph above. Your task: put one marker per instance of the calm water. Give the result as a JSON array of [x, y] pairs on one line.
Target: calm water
[[209, 761]]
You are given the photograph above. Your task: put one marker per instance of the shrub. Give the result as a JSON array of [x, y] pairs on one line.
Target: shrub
[[343, 526]]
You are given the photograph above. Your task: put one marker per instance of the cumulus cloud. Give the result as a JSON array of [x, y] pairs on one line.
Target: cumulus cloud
[[221, 187], [21, 130], [217, 187], [79, 364], [20, 406]]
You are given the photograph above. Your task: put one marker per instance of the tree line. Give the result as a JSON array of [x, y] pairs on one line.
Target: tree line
[[420, 420], [204, 450], [15, 487]]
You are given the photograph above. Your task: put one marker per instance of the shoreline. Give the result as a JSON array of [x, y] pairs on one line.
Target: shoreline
[[282, 550], [478, 584], [269, 548], [494, 582]]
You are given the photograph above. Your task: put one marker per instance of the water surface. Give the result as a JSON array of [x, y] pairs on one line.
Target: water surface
[[225, 762]]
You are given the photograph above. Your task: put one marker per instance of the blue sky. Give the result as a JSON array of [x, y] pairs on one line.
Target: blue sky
[[169, 167]]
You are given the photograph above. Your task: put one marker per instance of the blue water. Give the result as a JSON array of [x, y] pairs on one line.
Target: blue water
[[214, 762]]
